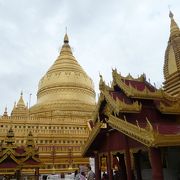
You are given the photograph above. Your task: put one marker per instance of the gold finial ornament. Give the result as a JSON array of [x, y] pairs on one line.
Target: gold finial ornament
[[5, 112], [171, 15], [66, 39]]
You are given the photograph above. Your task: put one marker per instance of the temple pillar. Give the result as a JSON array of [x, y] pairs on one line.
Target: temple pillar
[[18, 174], [156, 164], [128, 160], [97, 166], [37, 174], [137, 166], [109, 161], [122, 166], [109, 166]]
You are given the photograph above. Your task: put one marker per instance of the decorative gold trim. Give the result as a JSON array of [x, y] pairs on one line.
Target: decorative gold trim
[[91, 137], [130, 91], [173, 109], [147, 136], [121, 106]]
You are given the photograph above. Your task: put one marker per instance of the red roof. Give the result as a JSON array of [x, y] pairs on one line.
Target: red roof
[[167, 128], [8, 163], [120, 95], [31, 161], [139, 85], [20, 150]]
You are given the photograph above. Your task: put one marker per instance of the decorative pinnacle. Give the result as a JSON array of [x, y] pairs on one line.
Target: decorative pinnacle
[[171, 15], [66, 39]]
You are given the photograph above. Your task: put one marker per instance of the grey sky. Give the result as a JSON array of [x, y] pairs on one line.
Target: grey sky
[[130, 35]]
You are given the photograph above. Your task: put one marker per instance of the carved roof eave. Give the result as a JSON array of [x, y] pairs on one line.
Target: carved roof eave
[[130, 91], [146, 136], [31, 156], [12, 157], [9, 150], [92, 137], [173, 109], [120, 106]]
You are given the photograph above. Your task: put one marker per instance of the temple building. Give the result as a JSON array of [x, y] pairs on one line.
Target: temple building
[[59, 119], [135, 131], [15, 159]]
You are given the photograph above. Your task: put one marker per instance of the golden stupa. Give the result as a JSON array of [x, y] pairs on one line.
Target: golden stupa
[[65, 90], [172, 60], [59, 119]]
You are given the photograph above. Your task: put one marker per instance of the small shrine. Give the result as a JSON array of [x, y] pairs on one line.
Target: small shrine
[[15, 160]]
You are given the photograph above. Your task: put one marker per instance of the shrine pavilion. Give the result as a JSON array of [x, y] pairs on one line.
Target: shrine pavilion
[[18, 161], [135, 130]]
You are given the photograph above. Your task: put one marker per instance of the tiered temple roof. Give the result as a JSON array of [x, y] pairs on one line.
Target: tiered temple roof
[[14, 158], [137, 109]]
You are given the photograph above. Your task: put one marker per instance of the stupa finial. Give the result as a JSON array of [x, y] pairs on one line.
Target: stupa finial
[[66, 39], [174, 29], [171, 15]]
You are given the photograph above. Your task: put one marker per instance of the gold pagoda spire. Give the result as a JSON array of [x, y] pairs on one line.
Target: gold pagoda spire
[[172, 60], [174, 29], [20, 109], [66, 39], [66, 49], [63, 83], [21, 101], [5, 114]]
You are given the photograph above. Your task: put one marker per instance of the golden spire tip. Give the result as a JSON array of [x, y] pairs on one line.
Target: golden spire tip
[[171, 14], [66, 39]]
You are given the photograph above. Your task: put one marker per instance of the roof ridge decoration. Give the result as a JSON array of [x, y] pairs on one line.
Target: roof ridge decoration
[[11, 156], [121, 106], [130, 91], [141, 78], [147, 136], [102, 84], [174, 108]]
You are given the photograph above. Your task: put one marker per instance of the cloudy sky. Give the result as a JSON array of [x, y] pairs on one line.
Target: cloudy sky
[[130, 35]]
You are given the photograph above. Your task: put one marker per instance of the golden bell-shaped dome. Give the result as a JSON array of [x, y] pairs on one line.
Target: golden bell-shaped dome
[[65, 83]]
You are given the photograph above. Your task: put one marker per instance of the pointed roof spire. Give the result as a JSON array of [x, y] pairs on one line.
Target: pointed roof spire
[[20, 108], [21, 101], [174, 29], [66, 39], [5, 112]]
